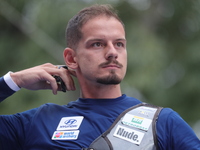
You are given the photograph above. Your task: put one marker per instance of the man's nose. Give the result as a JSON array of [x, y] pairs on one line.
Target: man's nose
[[111, 52]]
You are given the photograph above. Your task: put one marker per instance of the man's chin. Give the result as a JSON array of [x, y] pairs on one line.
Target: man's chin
[[114, 79]]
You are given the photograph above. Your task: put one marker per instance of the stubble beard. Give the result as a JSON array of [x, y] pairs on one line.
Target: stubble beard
[[112, 78]]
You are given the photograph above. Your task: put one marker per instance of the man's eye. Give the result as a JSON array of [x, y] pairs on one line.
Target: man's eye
[[97, 44], [119, 44]]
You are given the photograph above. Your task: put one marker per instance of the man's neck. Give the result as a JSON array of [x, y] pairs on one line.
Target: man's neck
[[101, 91]]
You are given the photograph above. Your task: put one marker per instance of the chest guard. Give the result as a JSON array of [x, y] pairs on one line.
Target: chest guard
[[134, 129]]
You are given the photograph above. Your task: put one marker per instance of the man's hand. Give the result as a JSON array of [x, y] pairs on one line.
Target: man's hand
[[41, 77]]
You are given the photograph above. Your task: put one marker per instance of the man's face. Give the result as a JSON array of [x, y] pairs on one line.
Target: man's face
[[101, 54]]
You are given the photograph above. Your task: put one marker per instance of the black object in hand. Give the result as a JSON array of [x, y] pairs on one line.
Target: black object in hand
[[59, 79]]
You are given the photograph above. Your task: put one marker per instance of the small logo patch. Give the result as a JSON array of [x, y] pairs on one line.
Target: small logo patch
[[137, 122], [128, 134], [65, 135], [70, 123], [148, 109]]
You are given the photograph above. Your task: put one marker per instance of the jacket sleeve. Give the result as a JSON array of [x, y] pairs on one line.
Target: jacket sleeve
[[5, 90], [14, 129], [174, 133]]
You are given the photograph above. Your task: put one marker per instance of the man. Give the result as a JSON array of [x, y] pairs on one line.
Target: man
[[97, 56]]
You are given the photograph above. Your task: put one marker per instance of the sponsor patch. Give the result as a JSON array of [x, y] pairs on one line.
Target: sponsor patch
[[70, 123], [143, 113], [148, 109], [137, 122], [129, 135], [65, 135]]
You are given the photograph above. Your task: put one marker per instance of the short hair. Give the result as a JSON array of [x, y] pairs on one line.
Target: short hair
[[75, 24]]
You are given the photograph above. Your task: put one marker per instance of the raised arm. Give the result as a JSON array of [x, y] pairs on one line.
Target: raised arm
[[37, 78]]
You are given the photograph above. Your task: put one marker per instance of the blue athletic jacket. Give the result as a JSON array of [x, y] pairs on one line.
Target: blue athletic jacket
[[77, 124]]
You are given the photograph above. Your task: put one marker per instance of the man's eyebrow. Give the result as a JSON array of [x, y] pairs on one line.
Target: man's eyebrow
[[99, 39], [121, 39], [95, 39]]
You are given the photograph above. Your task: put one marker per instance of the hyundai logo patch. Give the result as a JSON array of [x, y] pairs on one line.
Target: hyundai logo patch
[[70, 123]]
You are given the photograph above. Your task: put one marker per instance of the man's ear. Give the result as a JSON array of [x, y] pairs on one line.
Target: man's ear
[[70, 58]]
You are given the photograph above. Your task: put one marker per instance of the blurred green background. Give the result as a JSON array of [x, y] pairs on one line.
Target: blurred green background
[[163, 50]]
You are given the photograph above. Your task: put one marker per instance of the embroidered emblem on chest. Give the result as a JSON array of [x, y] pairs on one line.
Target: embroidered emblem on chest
[[67, 128]]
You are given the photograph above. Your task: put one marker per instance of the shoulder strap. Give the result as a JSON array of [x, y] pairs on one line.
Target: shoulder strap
[[155, 119], [106, 141]]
